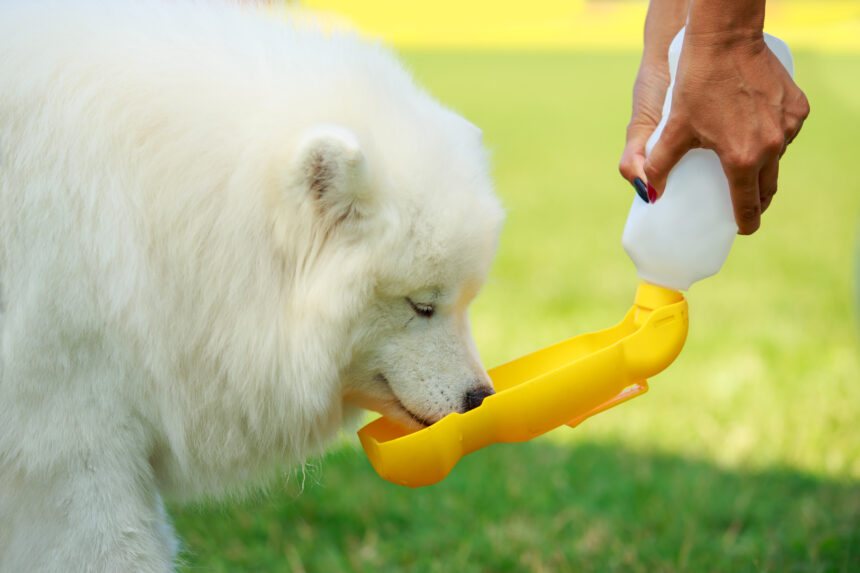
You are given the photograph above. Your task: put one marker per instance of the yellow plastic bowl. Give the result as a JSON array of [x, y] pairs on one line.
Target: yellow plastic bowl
[[562, 384]]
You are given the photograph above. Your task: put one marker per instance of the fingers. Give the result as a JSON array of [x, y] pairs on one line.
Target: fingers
[[632, 164], [752, 171], [753, 175], [674, 142], [746, 199], [767, 182], [649, 92], [632, 160], [633, 157]]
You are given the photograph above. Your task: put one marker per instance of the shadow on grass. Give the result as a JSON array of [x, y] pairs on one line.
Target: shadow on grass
[[535, 507]]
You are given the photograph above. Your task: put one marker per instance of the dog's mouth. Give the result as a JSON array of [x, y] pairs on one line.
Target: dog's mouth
[[423, 422]]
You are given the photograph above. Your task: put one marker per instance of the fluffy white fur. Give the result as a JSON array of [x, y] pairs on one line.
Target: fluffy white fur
[[217, 230]]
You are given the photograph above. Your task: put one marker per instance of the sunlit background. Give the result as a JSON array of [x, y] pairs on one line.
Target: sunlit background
[[745, 455], [819, 25]]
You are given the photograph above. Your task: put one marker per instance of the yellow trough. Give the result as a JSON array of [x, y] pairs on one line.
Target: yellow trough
[[562, 384]]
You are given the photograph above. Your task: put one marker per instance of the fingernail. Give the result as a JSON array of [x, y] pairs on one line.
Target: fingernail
[[652, 194], [641, 189]]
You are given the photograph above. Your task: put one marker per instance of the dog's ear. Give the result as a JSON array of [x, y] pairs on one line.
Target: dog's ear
[[331, 169]]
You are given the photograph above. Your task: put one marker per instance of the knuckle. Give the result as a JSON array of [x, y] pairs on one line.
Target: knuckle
[[749, 213], [792, 126], [748, 218], [767, 195], [773, 142], [798, 101], [743, 160], [803, 106], [795, 121]]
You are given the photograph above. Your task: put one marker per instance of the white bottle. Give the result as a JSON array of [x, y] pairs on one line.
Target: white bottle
[[687, 234]]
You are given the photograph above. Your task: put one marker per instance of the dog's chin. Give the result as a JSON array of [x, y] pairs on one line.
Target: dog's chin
[[416, 420], [393, 409]]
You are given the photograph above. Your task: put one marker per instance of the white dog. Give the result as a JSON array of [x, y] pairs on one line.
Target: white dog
[[217, 229]]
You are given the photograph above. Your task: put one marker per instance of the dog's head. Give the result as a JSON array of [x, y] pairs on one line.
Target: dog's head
[[421, 217]]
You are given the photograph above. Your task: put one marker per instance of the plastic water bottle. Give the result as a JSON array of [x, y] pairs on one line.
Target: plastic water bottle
[[686, 235]]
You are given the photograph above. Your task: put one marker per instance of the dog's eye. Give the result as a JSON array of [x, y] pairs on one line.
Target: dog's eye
[[421, 308]]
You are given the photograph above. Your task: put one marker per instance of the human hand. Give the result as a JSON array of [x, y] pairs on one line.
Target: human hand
[[737, 99]]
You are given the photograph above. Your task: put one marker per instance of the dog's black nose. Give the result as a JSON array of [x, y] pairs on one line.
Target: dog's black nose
[[475, 397]]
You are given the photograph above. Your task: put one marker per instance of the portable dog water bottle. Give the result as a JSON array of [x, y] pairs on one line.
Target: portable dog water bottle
[[682, 238]]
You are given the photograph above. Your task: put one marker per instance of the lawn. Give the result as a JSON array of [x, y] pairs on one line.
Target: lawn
[[745, 455]]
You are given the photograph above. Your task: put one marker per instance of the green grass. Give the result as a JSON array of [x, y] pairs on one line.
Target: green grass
[[745, 455]]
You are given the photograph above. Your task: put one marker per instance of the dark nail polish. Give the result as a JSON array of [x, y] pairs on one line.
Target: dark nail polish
[[652, 194], [641, 189]]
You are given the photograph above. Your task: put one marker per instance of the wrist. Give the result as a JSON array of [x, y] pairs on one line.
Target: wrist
[[664, 19], [726, 24]]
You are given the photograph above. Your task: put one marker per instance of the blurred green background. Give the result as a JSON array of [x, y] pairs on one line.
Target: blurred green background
[[745, 454]]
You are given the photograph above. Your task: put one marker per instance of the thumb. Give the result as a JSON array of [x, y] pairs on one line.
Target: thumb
[[674, 142]]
